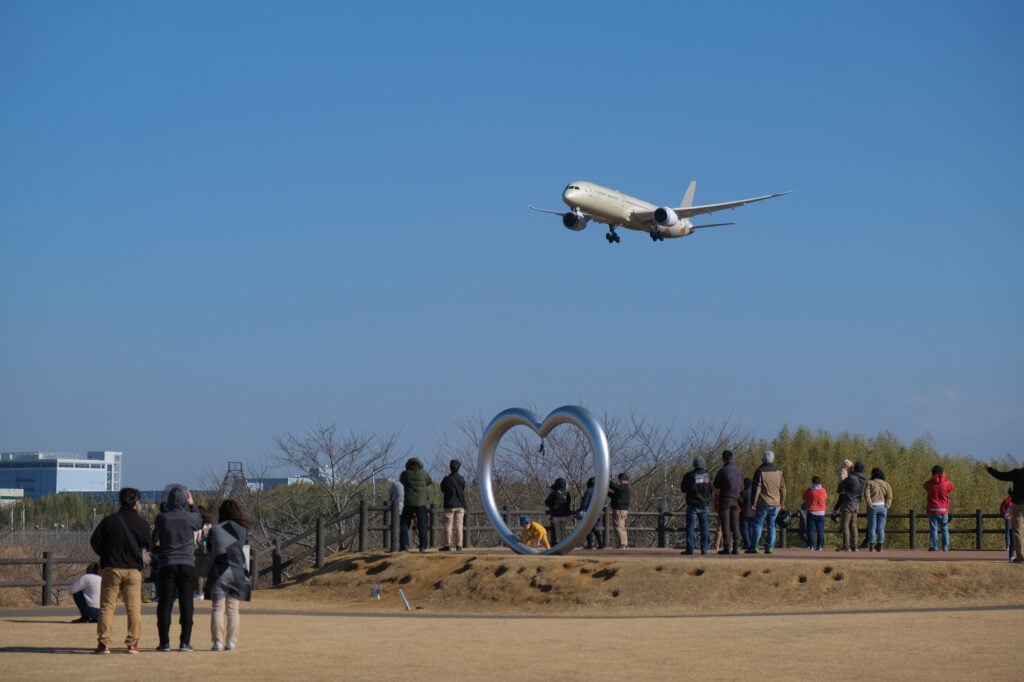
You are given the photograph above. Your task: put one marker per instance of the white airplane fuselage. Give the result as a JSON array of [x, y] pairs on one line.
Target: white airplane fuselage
[[591, 202], [617, 207]]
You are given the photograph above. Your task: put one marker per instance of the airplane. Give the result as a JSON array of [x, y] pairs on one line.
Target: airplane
[[588, 201]]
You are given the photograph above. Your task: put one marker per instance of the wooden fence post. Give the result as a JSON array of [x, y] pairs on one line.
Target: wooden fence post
[[979, 529], [662, 530], [363, 521], [275, 558], [318, 555], [396, 521], [913, 529], [47, 578]]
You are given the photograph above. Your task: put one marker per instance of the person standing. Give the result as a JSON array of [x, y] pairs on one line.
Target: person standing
[[768, 490], [620, 494], [729, 483], [1016, 476], [86, 593], [415, 481], [119, 540], [559, 505], [747, 513], [850, 492], [938, 488], [1006, 511], [878, 499], [698, 491], [815, 499], [453, 492], [175, 531], [229, 582], [594, 536]]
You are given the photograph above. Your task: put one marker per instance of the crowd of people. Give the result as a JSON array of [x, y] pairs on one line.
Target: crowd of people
[[748, 509], [185, 547]]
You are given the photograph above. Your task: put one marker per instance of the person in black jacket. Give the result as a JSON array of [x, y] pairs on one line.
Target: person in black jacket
[[1015, 476], [453, 491], [729, 482], [697, 488], [850, 491], [559, 505], [619, 495], [119, 540]]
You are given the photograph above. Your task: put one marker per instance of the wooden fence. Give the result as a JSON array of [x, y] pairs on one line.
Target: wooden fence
[[377, 527]]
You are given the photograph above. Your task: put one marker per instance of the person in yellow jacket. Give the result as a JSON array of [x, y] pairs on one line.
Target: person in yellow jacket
[[533, 533]]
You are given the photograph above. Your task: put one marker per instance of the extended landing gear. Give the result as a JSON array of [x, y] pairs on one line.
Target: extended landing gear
[[612, 236], [657, 236]]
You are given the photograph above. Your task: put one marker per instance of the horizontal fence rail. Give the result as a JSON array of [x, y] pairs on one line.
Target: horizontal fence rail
[[377, 527]]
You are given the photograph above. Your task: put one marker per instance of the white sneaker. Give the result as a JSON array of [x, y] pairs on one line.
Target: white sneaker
[[217, 646], [230, 646]]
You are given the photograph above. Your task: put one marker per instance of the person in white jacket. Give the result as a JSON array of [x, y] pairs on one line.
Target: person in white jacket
[[86, 593]]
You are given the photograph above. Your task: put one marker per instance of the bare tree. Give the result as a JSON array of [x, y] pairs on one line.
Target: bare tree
[[338, 466]]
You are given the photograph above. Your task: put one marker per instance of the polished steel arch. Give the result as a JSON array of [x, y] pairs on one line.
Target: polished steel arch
[[567, 414]]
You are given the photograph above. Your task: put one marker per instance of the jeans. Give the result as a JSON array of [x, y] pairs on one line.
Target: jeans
[[405, 527], [876, 524], [935, 522], [693, 514], [816, 527], [747, 530], [761, 514], [178, 580], [90, 613]]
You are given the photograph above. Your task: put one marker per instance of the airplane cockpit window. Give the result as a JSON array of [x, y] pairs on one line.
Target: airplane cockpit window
[[568, 187]]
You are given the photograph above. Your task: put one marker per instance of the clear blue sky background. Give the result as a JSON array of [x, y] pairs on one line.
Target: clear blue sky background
[[224, 221]]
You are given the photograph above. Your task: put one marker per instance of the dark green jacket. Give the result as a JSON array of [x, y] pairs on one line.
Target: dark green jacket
[[415, 480]]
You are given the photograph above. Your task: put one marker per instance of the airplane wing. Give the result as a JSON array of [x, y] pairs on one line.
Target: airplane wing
[[691, 211]]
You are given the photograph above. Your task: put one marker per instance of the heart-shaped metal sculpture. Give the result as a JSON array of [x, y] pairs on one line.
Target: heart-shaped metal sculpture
[[568, 414]]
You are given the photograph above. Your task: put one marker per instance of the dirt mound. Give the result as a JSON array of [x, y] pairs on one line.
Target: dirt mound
[[670, 585]]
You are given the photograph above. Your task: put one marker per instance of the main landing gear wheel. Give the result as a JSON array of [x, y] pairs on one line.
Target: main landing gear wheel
[[612, 236], [656, 236]]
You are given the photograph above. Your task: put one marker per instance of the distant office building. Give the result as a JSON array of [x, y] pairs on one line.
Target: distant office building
[[45, 473]]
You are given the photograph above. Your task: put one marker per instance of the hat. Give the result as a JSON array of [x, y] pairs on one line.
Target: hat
[[784, 518], [768, 457], [523, 520], [698, 462]]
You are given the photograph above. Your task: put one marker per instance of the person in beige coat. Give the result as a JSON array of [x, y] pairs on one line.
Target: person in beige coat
[[878, 496]]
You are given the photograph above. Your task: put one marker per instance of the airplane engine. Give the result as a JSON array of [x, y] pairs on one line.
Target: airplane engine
[[665, 217], [574, 220]]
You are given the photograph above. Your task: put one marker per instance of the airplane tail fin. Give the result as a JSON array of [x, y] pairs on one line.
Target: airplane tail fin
[[688, 198]]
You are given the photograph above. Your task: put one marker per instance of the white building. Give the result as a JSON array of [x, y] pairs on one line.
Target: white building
[[46, 473]]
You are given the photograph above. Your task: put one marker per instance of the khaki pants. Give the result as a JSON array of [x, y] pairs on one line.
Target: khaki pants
[[453, 526], [619, 524], [225, 609], [126, 584]]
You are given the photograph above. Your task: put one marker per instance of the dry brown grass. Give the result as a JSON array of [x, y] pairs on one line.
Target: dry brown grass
[[657, 586]]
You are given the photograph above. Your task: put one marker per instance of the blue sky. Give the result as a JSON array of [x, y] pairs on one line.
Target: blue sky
[[221, 222]]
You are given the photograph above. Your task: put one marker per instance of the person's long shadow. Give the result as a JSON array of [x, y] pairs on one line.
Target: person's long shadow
[[44, 650]]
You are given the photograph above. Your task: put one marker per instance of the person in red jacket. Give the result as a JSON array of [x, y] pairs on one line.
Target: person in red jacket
[[938, 487], [814, 500]]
